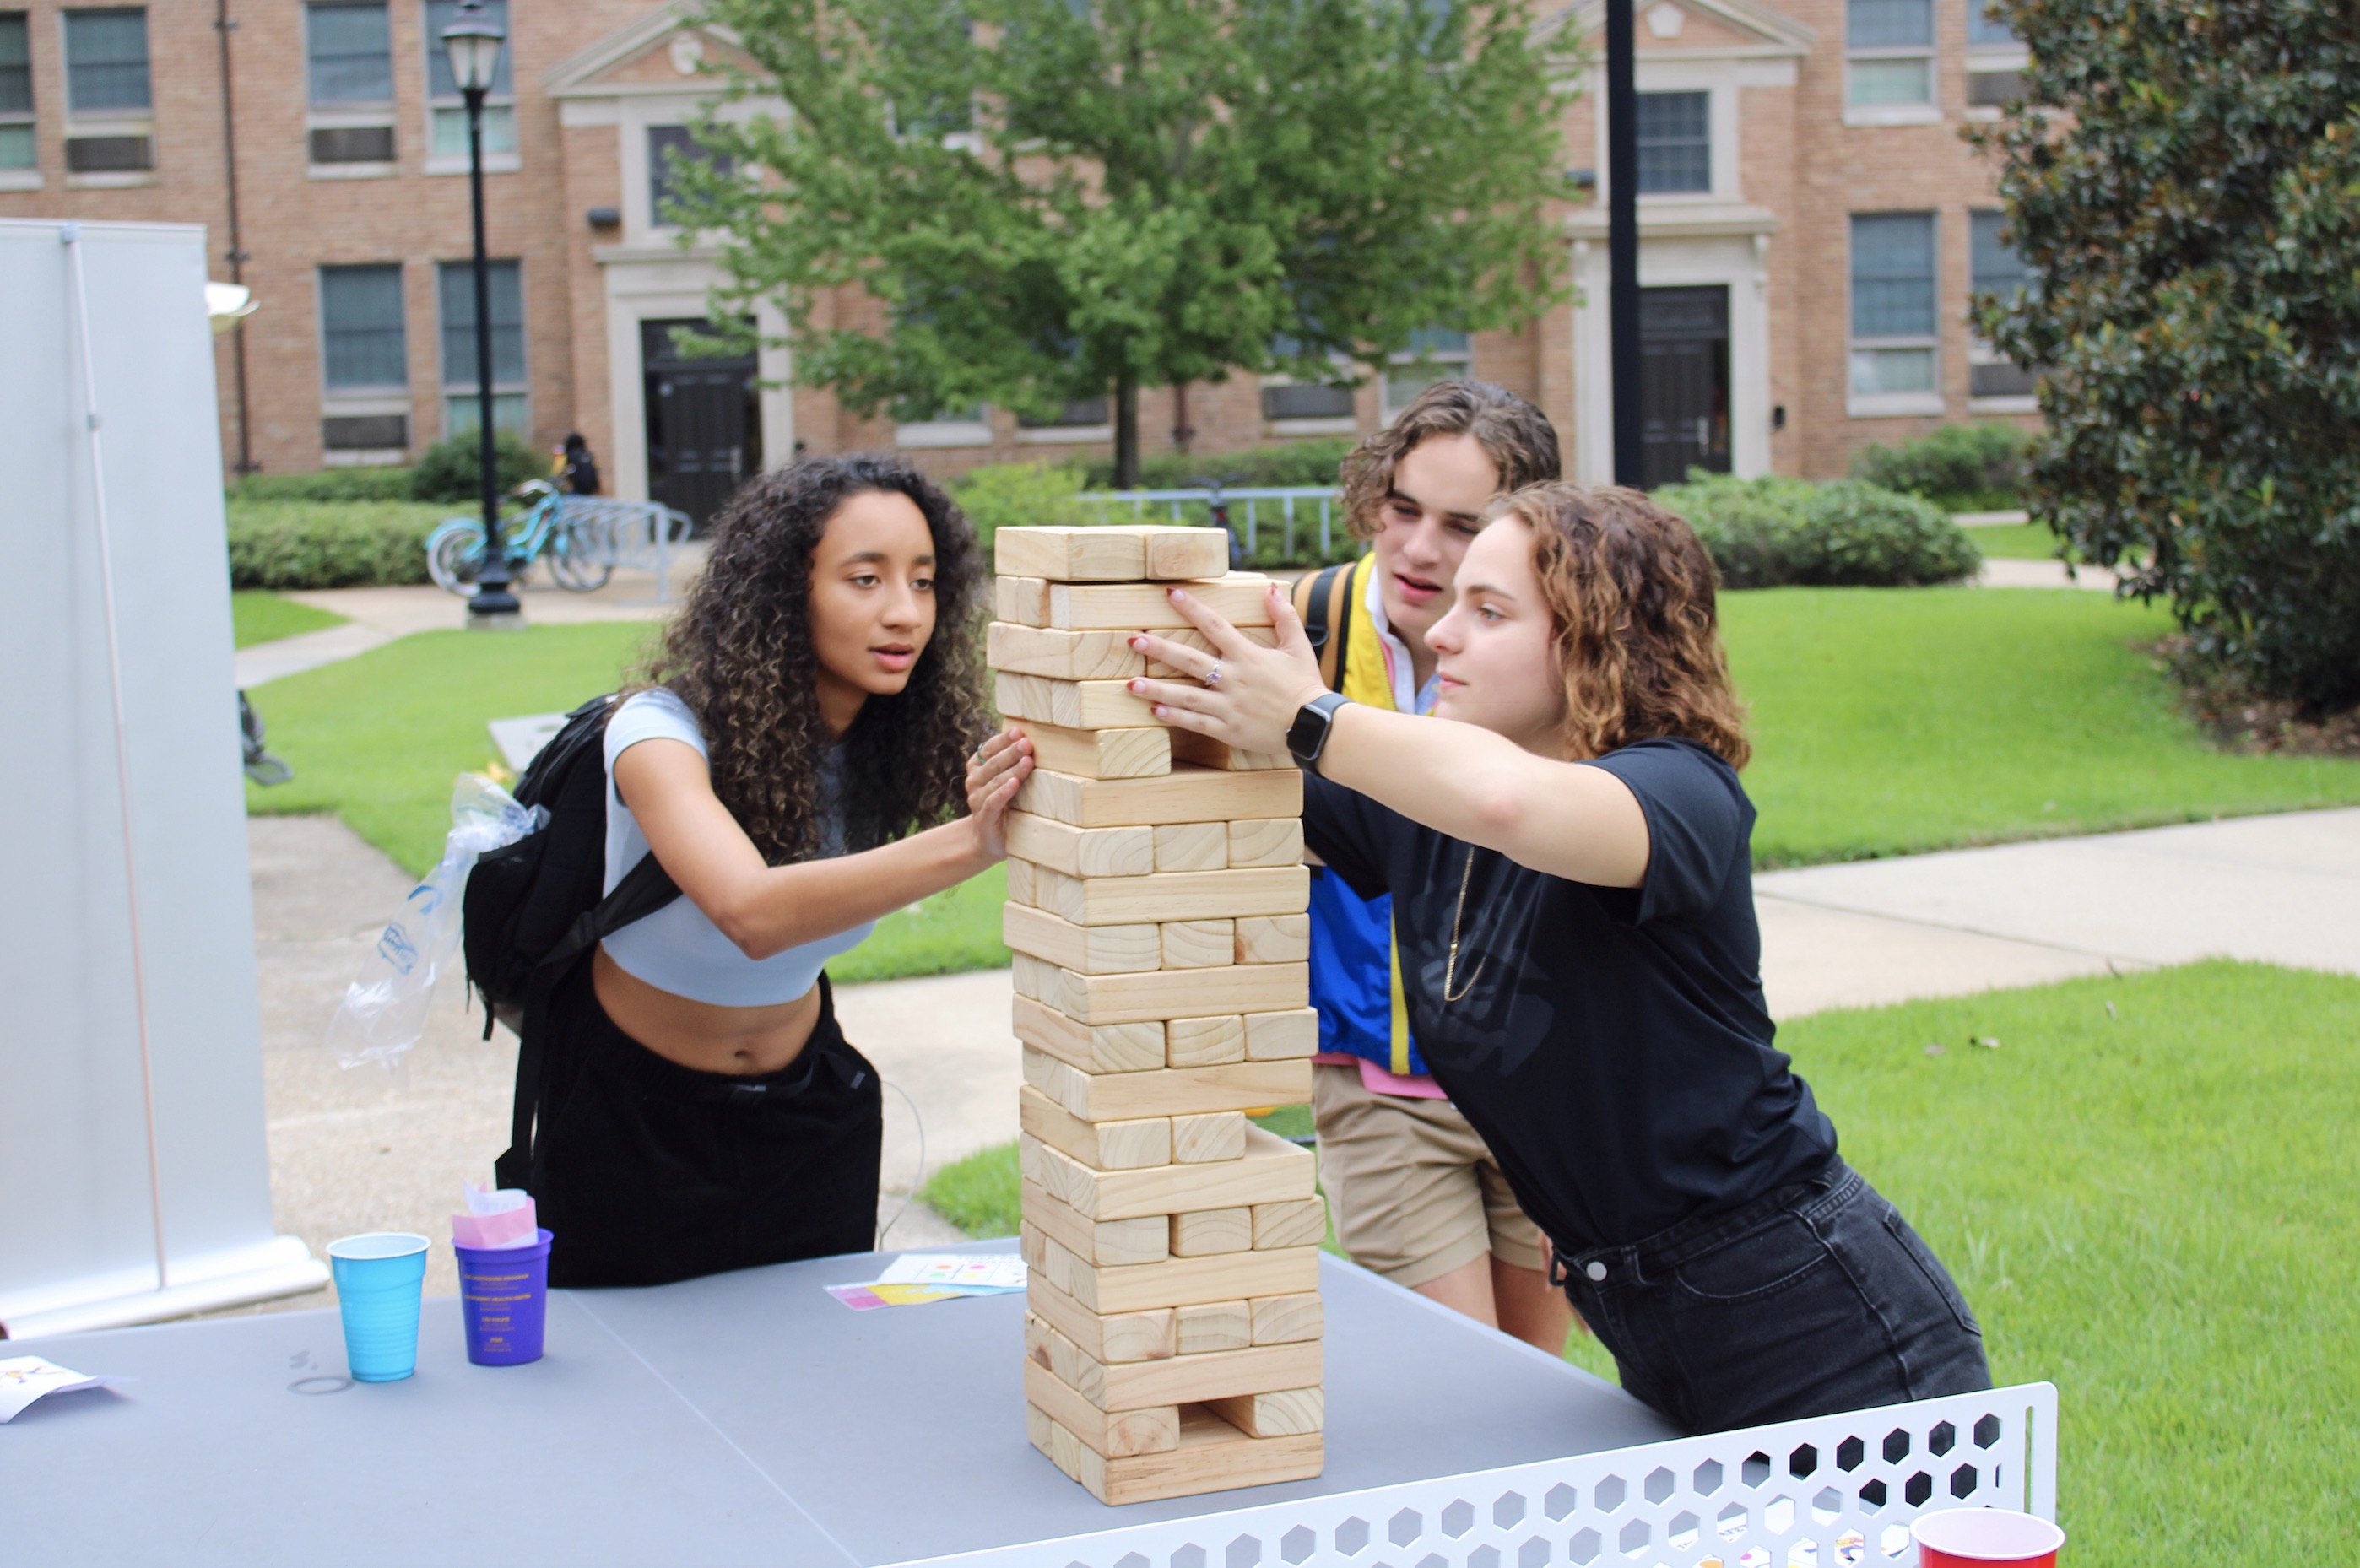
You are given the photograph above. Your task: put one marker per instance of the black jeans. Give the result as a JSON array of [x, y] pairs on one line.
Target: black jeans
[[648, 1171], [1811, 1299]]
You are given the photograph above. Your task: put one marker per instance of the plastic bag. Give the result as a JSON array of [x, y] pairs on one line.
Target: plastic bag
[[384, 1010]]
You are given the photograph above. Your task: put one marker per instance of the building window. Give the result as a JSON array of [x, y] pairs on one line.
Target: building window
[[1988, 26], [1286, 399], [446, 129], [1674, 142], [16, 93], [1893, 327], [669, 146], [1081, 413], [458, 299], [1996, 58], [1997, 269], [1889, 54], [107, 61], [351, 56], [1438, 353], [362, 347]]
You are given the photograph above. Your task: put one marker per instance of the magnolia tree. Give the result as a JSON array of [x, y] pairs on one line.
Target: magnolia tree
[[1063, 200], [2184, 182]]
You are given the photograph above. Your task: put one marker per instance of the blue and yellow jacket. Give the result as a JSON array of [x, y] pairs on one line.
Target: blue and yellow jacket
[[1355, 963]]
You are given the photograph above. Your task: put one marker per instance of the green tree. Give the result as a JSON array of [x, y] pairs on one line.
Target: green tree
[[2184, 181], [1057, 199]]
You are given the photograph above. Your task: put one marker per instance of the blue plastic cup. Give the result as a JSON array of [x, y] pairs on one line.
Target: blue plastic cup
[[504, 1300], [379, 1278]]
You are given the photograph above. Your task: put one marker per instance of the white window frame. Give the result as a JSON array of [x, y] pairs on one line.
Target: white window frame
[[1987, 59], [1718, 79], [361, 402], [1893, 405], [932, 434], [1458, 363], [446, 389], [1926, 113], [81, 123], [356, 116], [457, 163], [25, 177], [1979, 352]]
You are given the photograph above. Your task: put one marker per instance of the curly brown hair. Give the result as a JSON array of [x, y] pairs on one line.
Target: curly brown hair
[[739, 654], [1632, 593], [1517, 437]]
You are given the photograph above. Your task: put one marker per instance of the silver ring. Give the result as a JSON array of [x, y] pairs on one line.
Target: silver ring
[[1213, 676]]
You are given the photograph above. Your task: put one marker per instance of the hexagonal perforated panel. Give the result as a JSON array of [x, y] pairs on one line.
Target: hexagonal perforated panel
[[1832, 1492]]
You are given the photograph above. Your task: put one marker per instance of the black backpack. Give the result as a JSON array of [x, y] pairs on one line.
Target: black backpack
[[533, 908]]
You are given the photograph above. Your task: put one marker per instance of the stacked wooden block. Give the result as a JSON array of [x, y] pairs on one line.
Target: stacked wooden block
[[1156, 898]]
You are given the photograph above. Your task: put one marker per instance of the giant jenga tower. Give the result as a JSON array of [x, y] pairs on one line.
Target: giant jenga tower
[[1157, 899]]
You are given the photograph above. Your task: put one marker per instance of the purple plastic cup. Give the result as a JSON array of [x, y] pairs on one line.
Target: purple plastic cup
[[503, 1298]]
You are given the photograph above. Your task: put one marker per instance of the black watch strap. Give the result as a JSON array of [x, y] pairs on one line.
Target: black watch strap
[[1307, 737]]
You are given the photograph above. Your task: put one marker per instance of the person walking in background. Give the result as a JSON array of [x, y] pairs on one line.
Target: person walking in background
[[574, 469], [1418, 1198]]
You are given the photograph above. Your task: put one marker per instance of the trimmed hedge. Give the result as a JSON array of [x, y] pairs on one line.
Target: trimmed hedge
[[449, 470], [1290, 464], [328, 485], [1960, 468], [1765, 533], [328, 544]]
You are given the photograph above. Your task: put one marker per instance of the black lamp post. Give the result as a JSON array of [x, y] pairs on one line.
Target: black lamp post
[[1622, 239], [473, 43]]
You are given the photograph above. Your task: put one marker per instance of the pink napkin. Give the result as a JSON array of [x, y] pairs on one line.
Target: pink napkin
[[495, 1219]]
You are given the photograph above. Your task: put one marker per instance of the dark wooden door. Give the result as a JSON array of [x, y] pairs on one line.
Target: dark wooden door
[[705, 430], [1683, 383]]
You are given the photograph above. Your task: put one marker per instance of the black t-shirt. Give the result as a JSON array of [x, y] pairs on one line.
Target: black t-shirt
[[1611, 1044]]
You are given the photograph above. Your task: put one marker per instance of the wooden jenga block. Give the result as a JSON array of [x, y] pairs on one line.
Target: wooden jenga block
[[1180, 1380], [1282, 1035], [1191, 638], [1116, 1434], [1192, 846], [1202, 1232], [1271, 1170], [1158, 994], [1093, 1047], [1186, 794], [1272, 939], [1021, 600], [1186, 552], [1023, 885], [1214, 1325], [1143, 753], [1015, 649], [1095, 950], [1076, 705], [1188, 745], [1147, 1335], [1071, 555], [1082, 852], [1191, 944], [1201, 1139], [1205, 1042], [1104, 1146], [1212, 1456], [1172, 1091], [1285, 1320], [1239, 598], [1174, 895], [1301, 1223], [1287, 1413], [1266, 841], [1097, 1242]]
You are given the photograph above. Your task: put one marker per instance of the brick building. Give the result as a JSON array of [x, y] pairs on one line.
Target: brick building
[[1811, 228]]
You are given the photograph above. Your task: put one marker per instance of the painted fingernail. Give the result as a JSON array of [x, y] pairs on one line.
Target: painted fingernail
[[1178, 594]]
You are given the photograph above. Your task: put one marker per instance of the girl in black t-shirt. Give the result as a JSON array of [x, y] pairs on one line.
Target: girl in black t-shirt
[[1573, 904]]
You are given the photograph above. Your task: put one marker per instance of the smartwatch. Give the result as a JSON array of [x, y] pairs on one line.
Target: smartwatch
[[1307, 737]]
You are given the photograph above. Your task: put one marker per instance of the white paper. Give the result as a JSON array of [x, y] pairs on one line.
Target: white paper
[[491, 1201], [992, 1271], [24, 1378]]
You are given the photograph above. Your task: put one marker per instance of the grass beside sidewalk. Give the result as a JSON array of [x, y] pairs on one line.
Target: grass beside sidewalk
[[257, 615]]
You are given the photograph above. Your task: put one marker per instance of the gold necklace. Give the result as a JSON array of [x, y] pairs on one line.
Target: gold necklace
[[1450, 967]]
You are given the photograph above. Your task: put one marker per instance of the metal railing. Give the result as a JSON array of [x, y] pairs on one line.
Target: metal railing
[[641, 535], [1291, 506]]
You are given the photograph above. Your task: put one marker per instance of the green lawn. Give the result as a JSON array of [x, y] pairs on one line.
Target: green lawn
[[259, 615], [2016, 541], [1895, 720], [2149, 1191]]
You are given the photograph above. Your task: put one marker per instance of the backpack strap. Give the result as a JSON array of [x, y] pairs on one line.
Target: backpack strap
[[1324, 601], [645, 889]]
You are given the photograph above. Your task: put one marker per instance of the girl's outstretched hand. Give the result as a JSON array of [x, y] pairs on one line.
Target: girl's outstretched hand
[[1241, 693], [995, 770]]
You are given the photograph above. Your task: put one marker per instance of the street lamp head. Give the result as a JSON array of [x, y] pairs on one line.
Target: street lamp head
[[473, 42]]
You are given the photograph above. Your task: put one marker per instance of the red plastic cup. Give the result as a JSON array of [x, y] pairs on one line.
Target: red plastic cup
[[1985, 1538], [503, 1298]]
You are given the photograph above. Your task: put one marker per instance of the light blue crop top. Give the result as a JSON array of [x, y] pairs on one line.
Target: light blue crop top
[[678, 948]]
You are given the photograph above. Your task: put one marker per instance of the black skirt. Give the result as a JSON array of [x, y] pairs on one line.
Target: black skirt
[[646, 1172]]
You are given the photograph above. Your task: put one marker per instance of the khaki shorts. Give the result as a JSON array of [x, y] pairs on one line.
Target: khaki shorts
[[1414, 1191]]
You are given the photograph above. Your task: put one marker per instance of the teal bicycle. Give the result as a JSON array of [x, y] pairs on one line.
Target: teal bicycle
[[580, 554]]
